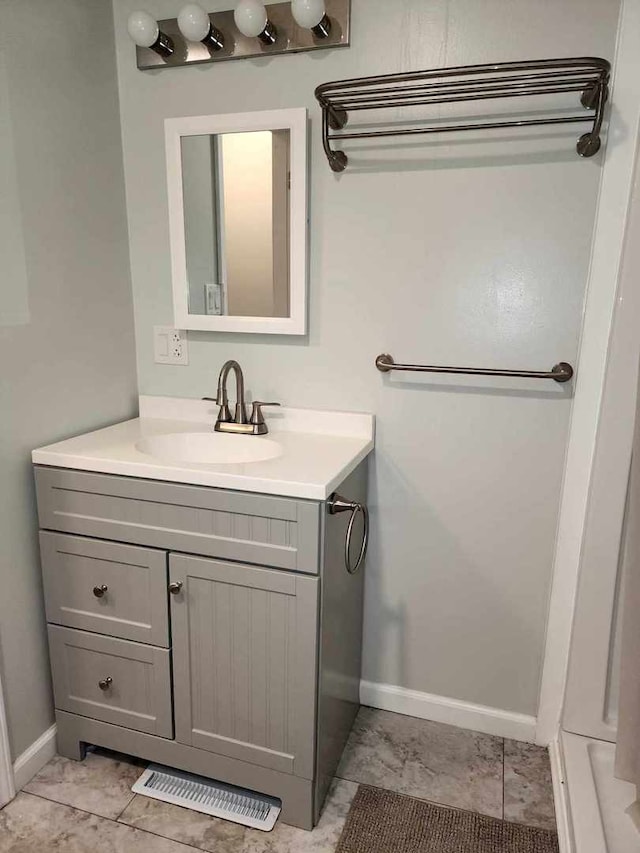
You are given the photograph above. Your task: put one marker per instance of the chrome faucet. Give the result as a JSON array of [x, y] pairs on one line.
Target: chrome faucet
[[222, 399], [255, 425]]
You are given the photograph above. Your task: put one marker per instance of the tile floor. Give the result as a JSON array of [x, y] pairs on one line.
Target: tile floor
[[88, 807]]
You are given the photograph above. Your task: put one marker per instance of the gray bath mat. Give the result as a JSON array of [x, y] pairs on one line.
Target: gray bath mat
[[383, 822]]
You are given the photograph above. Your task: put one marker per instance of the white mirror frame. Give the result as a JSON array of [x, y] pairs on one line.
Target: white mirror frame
[[293, 120]]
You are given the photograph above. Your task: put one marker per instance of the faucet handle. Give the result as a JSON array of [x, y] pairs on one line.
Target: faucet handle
[[256, 412]]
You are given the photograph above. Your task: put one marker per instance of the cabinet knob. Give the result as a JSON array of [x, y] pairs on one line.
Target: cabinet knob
[[105, 683], [99, 591], [175, 587]]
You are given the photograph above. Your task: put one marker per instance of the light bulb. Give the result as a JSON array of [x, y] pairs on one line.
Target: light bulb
[[194, 22], [252, 21], [308, 13], [143, 29], [145, 32], [195, 25]]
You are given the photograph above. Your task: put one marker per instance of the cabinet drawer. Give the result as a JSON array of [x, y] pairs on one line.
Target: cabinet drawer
[[260, 529], [120, 682], [106, 588]]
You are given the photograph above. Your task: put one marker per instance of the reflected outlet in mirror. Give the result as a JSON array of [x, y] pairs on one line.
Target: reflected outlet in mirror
[[238, 221]]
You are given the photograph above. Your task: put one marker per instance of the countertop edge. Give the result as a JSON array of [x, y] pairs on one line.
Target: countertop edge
[[214, 480]]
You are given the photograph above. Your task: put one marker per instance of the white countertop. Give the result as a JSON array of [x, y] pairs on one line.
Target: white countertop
[[319, 449]]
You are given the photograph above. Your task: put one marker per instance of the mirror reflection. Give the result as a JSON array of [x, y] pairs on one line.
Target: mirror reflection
[[236, 221]]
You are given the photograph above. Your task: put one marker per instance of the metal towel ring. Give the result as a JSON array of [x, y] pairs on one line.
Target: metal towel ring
[[335, 504]]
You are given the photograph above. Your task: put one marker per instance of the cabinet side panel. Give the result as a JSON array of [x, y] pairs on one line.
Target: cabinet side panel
[[341, 637]]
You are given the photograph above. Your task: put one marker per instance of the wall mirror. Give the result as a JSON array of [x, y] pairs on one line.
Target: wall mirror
[[237, 188]]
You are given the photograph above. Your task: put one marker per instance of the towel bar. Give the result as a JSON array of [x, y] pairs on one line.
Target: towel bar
[[561, 372]]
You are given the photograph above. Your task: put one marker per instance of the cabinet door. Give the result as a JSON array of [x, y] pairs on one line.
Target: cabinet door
[[245, 662]]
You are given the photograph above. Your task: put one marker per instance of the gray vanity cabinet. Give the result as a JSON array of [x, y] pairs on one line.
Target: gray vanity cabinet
[[255, 631], [213, 631]]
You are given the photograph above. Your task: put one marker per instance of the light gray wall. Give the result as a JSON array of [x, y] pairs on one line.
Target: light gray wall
[[67, 357], [470, 252]]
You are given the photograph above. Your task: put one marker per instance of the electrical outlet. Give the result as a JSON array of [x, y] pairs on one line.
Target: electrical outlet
[[170, 345]]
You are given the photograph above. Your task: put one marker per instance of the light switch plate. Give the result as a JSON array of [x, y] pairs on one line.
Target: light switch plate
[[170, 345], [213, 299]]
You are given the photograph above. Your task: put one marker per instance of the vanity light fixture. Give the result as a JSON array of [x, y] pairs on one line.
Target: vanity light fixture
[[312, 15], [252, 20], [195, 25], [145, 32], [251, 29]]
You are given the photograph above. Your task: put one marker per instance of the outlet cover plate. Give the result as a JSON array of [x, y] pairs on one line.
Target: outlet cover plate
[[170, 345]]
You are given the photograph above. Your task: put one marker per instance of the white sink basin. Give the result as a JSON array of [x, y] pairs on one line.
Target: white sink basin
[[209, 448]]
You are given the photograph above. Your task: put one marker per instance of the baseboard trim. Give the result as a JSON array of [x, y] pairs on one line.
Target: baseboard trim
[[561, 796], [442, 709], [34, 758]]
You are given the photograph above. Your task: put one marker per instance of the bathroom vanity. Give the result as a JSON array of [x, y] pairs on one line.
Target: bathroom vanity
[[201, 614]]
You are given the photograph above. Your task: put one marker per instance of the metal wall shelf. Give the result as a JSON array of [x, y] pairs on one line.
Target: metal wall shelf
[[587, 75]]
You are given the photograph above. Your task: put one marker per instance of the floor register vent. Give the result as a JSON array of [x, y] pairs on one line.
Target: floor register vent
[[209, 797]]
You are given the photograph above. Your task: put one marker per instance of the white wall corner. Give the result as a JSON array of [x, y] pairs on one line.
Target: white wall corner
[[34, 758], [453, 712], [561, 797]]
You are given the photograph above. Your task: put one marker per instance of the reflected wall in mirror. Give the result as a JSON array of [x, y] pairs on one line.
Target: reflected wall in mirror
[[237, 215]]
